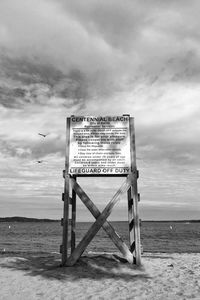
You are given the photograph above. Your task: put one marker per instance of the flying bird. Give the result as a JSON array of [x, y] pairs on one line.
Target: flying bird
[[39, 161], [42, 134]]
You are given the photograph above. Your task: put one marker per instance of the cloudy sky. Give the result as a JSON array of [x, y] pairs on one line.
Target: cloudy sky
[[63, 57]]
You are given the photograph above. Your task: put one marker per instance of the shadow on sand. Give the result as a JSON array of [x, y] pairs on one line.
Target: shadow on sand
[[92, 267]]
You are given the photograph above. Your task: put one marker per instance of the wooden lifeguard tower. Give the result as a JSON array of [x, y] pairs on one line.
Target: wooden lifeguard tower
[[100, 146]]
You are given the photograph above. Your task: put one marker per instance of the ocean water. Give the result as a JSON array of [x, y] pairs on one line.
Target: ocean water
[[46, 237]]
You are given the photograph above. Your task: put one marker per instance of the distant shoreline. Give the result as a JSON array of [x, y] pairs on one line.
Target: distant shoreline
[[25, 219]]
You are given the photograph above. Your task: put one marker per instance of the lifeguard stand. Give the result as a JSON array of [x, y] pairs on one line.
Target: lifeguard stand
[[113, 138]]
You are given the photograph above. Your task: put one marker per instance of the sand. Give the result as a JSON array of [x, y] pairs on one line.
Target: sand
[[100, 276]]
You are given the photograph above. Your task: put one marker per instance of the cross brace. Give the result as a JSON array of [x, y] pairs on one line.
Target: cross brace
[[100, 222]]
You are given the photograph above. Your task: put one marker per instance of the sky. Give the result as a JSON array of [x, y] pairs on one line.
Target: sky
[[67, 57]]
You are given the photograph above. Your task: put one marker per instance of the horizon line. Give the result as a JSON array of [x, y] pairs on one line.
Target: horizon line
[[83, 221]]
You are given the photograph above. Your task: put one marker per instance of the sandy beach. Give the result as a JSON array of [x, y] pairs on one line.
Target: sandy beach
[[100, 276]]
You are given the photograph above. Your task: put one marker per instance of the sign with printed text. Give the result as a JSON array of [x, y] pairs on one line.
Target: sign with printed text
[[99, 145]]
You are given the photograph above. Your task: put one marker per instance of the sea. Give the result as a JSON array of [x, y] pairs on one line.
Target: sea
[[46, 237]]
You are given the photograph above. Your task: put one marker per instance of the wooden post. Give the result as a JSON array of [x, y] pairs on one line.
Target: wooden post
[[134, 196], [131, 221], [66, 199], [73, 225]]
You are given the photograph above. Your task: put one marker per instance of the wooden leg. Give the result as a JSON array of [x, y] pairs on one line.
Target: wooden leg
[[73, 224], [136, 221], [131, 221], [65, 221]]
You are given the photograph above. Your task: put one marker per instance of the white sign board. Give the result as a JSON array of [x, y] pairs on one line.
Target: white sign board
[[99, 145]]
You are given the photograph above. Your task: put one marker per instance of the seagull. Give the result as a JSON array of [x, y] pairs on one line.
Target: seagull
[[42, 134], [170, 227], [39, 161]]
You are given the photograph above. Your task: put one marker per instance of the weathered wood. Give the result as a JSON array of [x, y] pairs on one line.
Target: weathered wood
[[131, 221], [61, 247], [136, 225], [134, 194], [65, 221], [63, 198], [98, 224], [138, 197], [66, 199], [73, 224], [106, 226]]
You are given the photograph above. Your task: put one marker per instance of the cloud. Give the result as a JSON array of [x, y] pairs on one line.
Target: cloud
[[112, 46], [109, 42], [48, 33], [59, 58]]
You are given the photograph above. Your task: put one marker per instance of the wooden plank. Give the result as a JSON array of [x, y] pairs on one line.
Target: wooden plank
[[63, 197], [65, 222], [134, 194], [73, 224], [106, 226], [101, 175], [131, 221], [66, 198], [136, 225], [138, 197], [98, 224], [61, 247]]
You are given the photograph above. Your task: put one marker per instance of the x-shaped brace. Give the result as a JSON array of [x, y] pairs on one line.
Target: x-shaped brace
[[100, 222]]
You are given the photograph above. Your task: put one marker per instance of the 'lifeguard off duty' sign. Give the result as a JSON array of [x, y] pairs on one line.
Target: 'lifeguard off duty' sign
[[99, 145]]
